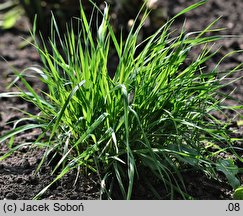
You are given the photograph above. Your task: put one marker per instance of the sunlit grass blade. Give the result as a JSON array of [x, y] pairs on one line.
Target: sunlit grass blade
[[155, 117]]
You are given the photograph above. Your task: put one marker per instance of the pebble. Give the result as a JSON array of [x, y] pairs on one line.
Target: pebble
[[11, 195], [74, 196], [59, 188]]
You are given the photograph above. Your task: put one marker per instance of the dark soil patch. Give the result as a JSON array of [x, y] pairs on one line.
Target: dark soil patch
[[17, 179]]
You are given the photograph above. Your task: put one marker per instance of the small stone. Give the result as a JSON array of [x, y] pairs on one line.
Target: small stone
[[152, 4], [74, 196], [230, 25], [59, 188], [11, 196]]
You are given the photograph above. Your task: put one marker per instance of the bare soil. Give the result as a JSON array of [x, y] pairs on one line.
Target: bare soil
[[17, 179]]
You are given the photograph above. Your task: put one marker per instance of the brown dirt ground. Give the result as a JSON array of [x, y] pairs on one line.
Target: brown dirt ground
[[16, 173]]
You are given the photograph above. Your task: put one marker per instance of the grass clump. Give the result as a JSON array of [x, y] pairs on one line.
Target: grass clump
[[151, 121]]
